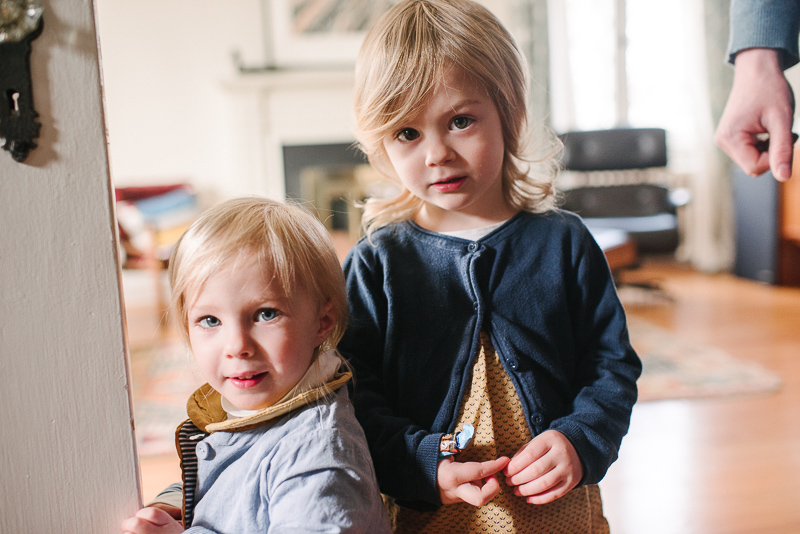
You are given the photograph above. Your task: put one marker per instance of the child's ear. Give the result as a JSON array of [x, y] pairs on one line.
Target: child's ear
[[327, 321]]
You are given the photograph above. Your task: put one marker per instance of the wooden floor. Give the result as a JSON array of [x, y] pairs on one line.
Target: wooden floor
[[714, 466], [726, 466]]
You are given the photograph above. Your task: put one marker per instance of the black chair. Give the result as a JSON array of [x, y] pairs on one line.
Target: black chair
[[627, 200], [615, 149]]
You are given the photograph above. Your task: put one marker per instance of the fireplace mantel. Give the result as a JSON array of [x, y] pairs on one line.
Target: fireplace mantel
[[291, 79]]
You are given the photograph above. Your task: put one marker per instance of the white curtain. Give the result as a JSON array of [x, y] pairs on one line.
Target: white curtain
[[677, 80]]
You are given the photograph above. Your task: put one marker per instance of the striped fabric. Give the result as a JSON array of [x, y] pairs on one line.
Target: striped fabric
[[187, 436]]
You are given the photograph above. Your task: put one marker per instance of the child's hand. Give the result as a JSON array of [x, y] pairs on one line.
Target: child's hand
[[151, 520], [175, 513], [545, 469], [470, 482]]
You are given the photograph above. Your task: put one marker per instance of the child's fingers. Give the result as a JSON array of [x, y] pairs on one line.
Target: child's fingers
[[478, 484], [547, 450], [471, 471], [137, 525], [151, 521], [549, 495], [539, 484], [490, 467], [478, 493], [175, 513], [532, 472], [155, 515], [526, 456], [470, 482]]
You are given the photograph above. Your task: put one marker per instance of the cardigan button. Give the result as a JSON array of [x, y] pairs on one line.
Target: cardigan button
[[514, 364], [204, 451], [537, 419], [472, 247]]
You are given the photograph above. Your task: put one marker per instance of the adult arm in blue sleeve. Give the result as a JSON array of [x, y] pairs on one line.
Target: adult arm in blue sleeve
[[765, 24], [763, 42]]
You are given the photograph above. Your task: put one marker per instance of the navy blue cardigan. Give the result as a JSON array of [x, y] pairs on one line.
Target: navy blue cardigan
[[539, 286]]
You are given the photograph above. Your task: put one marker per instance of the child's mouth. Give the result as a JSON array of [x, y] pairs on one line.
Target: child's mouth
[[450, 184], [247, 381]]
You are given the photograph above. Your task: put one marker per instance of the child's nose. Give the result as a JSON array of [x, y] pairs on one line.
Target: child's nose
[[438, 152], [239, 343]]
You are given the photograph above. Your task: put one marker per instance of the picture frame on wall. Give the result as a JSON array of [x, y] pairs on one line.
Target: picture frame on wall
[[318, 33]]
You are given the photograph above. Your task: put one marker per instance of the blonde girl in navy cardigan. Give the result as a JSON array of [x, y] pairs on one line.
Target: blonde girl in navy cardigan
[[473, 300]]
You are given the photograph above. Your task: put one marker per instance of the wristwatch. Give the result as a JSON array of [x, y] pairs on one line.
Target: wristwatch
[[451, 444]]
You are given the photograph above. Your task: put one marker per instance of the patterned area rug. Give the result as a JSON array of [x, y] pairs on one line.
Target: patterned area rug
[[165, 375], [674, 368]]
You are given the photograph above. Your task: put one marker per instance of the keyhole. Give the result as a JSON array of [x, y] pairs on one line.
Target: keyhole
[[13, 101]]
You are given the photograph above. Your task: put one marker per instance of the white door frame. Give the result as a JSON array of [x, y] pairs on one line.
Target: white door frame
[[68, 458]]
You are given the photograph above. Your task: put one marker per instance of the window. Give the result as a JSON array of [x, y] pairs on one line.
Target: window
[[645, 76]]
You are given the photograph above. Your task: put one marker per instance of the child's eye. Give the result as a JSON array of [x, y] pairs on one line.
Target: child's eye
[[460, 123], [266, 314], [407, 134], [209, 321]]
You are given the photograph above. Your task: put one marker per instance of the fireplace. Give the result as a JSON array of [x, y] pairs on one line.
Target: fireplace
[[293, 133]]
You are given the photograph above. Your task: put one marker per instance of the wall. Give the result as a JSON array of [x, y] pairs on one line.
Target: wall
[[177, 110], [164, 65], [67, 457]]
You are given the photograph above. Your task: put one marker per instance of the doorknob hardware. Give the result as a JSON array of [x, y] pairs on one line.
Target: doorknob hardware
[[20, 23]]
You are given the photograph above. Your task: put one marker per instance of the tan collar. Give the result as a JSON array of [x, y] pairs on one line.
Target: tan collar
[[205, 406]]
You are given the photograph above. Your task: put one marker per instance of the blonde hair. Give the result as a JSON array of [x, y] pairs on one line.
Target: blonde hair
[[290, 244], [401, 61]]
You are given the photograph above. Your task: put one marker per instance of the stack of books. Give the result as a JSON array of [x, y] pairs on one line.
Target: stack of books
[[151, 219]]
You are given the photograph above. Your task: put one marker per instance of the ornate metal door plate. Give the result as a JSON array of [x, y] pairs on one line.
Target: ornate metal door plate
[[20, 23]]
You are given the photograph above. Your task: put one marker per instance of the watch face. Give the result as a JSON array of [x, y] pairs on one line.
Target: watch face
[[18, 18]]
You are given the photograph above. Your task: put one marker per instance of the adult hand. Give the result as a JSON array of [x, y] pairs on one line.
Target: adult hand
[[761, 101], [545, 469]]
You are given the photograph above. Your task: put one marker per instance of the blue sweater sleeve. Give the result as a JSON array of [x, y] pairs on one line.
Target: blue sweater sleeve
[[765, 24], [405, 455], [607, 368]]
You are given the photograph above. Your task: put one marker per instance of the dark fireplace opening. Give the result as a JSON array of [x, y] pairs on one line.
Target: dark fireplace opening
[[332, 178], [296, 158]]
